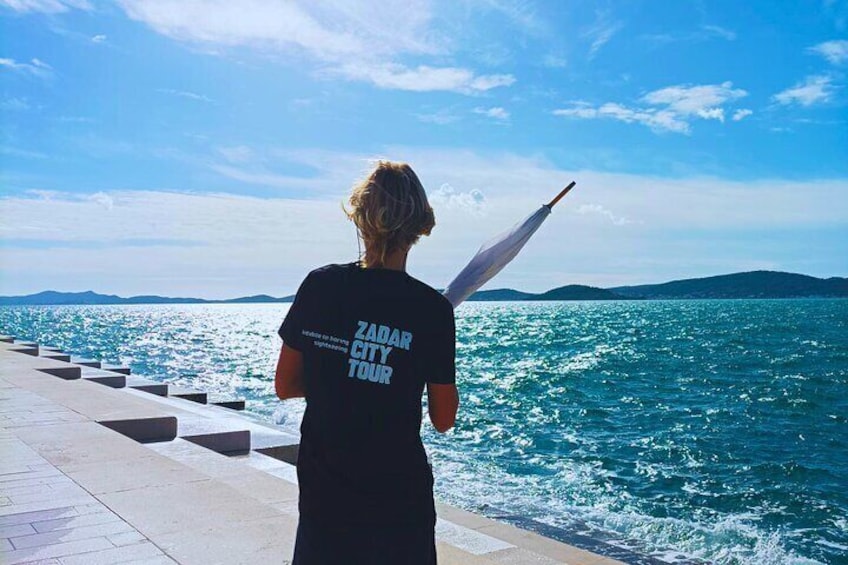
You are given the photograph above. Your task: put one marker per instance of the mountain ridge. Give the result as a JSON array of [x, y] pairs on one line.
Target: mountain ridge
[[750, 284]]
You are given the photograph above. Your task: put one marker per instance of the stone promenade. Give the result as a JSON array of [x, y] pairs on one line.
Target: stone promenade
[[99, 466]]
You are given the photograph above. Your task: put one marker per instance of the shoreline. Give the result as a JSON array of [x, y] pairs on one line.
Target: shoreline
[[214, 429]]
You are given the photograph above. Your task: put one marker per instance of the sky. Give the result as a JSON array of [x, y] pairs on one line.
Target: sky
[[205, 147]]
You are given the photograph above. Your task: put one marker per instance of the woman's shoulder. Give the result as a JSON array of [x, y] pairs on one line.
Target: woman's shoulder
[[433, 297]]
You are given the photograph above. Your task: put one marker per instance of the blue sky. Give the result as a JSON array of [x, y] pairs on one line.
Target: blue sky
[[203, 147]]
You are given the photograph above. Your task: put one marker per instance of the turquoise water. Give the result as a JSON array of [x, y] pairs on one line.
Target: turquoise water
[[711, 429]]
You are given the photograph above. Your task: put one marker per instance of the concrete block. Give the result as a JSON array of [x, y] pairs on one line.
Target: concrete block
[[188, 394], [145, 430], [27, 350], [231, 404], [116, 381], [116, 369], [88, 363], [67, 373], [64, 357], [227, 443], [7, 339], [157, 389], [285, 453]]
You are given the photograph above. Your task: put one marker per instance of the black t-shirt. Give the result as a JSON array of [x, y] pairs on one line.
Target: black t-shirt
[[370, 339]]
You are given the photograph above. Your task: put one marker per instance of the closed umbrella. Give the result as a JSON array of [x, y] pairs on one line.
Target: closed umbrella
[[496, 253]]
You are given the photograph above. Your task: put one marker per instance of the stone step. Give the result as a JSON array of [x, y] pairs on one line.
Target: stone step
[[231, 404], [145, 430], [116, 369], [67, 373], [189, 394]]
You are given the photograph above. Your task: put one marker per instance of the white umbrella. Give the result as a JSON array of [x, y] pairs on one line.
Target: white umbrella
[[496, 253]]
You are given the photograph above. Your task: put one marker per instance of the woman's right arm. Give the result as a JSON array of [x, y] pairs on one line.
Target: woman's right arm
[[288, 381], [443, 402]]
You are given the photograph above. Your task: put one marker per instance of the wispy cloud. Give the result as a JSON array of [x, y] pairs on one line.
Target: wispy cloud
[[423, 78], [599, 210], [46, 6], [601, 32], [15, 104], [496, 113], [815, 89], [741, 114], [100, 38], [21, 153], [35, 67], [439, 117], [237, 154], [704, 33], [357, 41], [668, 109], [185, 94], [718, 31], [836, 51]]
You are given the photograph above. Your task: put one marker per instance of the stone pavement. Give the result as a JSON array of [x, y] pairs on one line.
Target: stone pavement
[[175, 484]]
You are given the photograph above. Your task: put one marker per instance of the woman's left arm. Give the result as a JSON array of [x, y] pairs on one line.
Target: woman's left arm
[[288, 381]]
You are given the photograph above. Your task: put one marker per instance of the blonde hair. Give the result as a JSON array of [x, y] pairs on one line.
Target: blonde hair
[[390, 210]]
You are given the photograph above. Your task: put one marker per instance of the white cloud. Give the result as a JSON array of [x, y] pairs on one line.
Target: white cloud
[[599, 210], [702, 101], [423, 78], [814, 89], [328, 30], [98, 38], [670, 109], [35, 67], [361, 41], [496, 113], [836, 51], [657, 228], [46, 6], [185, 94], [472, 201], [741, 114]]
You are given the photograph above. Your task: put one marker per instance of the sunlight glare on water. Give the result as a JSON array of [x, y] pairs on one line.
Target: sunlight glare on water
[[710, 429]]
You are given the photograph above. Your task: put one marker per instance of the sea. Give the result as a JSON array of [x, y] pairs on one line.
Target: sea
[[689, 431]]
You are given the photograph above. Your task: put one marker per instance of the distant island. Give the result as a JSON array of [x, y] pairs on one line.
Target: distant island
[[754, 284]]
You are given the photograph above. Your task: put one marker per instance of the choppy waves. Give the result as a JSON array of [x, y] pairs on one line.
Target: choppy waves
[[705, 429]]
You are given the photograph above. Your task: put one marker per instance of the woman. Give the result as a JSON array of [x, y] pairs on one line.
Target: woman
[[360, 343]]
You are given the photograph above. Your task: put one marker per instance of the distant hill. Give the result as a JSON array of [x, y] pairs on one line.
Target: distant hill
[[578, 292], [53, 298], [504, 294], [755, 284]]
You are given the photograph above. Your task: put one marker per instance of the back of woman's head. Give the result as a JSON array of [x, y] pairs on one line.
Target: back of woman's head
[[390, 210]]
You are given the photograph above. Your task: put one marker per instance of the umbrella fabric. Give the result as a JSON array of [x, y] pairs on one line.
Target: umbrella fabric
[[493, 256]]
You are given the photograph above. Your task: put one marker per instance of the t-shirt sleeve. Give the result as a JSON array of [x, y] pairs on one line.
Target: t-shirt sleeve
[[440, 364], [291, 329]]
